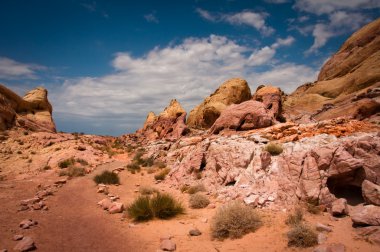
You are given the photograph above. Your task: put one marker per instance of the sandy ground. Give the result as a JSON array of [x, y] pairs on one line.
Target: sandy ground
[[74, 222]]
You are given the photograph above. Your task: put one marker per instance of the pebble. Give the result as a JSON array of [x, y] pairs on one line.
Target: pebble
[[195, 232]]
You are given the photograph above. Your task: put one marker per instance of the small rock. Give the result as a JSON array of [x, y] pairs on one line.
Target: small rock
[[29, 201], [26, 244], [339, 207], [61, 181], [116, 207], [321, 227], [81, 148], [17, 237], [105, 203], [168, 245], [211, 206], [25, 224], [195, 232], [165, 237], [322, 238], [23, 208], [204, 220], [251, 200]]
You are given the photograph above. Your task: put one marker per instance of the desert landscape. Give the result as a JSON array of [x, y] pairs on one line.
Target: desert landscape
[[245, 170]]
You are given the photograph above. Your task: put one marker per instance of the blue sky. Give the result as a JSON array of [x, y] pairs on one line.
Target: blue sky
[[106, 64]]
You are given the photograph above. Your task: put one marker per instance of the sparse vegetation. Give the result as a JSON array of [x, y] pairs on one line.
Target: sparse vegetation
[[195, 188], [274, 148], [162, 174], [133, 167], [162, 206], [198, 201], [313, 208], [234, 220], [147, 190], [107, 177], [140, 209], [81, 161], [302, 236], [295, 218], [73, 171], [66, 163]]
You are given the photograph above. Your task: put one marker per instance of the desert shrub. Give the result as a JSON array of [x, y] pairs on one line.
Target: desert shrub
[[274, 149], [234, 220], [164, 206], [312, 208], [196, 188], [295, 218], [133, 167], [130, 148], [302, 236], [144, 162], [147, 190], [107, 177], [81, 161], [66, 163], [160, 164], [140, 209], [162, 174], [73, 171], [198, 201]]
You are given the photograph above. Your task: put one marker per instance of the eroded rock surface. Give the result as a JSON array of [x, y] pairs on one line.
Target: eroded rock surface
[[233, 91]]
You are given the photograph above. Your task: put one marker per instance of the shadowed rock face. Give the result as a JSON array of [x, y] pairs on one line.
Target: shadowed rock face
[[169, 124], [33, 112], [233, 91], [343, 81]]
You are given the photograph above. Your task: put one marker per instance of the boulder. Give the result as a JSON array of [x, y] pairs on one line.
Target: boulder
[[339, 207], [371, 192], [169, 124], [116, 207], [366, 215], [233, 91], [244, 116], [33, 112], [26, 244], [271, 97]]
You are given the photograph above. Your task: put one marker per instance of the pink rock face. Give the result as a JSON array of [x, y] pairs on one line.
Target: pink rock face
[[310, 182], [271, 98], [366, 215], [244, 116], [371, 192]]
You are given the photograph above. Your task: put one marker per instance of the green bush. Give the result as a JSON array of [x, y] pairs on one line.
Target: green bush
[[164, 206], [140, 209], [162, 174], [198, 201], [66, 163], [302, 236], [107, 177], [234, 220], [295, 218], [274, 149]]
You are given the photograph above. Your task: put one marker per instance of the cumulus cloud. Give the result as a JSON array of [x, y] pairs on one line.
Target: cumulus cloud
[[188, 72], [327, 6], [255, 20], [11, 69], [340, 22]]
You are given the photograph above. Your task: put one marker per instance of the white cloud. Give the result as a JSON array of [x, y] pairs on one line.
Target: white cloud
[[255, 20], [283, 42], [188, 72], [328, 6], [290, 76], [340, 22], [151, 18], [11, 69]]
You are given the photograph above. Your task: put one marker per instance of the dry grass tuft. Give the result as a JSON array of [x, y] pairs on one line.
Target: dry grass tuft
[[198, 201], [274, 149], [302, 236], [234, 220]]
